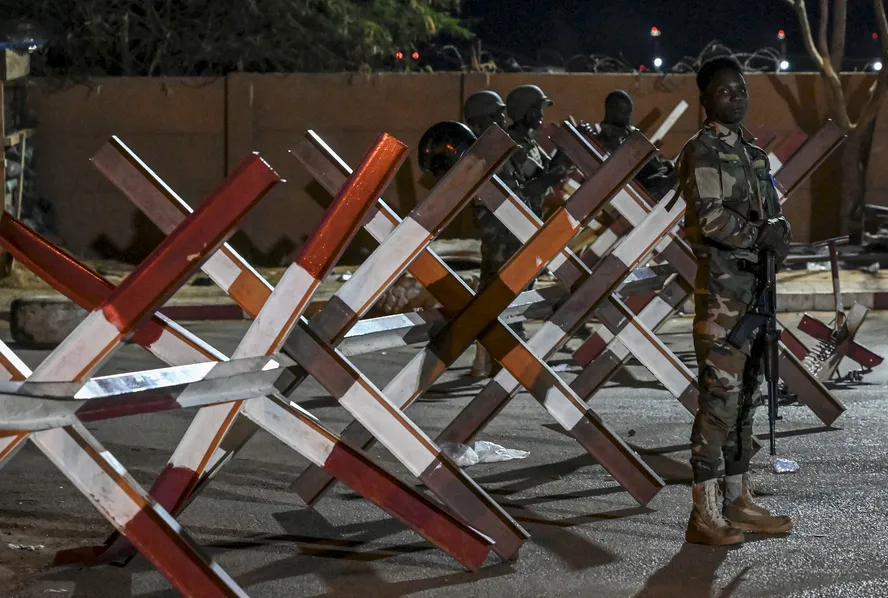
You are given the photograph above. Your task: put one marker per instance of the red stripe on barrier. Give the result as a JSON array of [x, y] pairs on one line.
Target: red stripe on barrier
[[109, 408], [172, 482], [63, 272], [342, 220], [189, 245], [591, 349], [189, 576], [794, 345], [375, 485], [814, 327]]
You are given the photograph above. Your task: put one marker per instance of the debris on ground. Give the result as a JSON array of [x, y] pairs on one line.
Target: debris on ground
[[483, 452], [785, 466]]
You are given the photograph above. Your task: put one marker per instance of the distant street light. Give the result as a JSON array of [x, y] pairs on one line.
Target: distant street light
[[877, 65], [655, 49], [784, 65]]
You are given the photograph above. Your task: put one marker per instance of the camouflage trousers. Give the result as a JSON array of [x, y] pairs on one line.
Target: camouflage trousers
[[494, 255], [729, 382], [497, 246]]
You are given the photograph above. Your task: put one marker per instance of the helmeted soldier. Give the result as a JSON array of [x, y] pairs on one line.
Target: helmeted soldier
[[439, 149], [442, 145], [538, 172], [482, 110], [733, 215], [658, 175]]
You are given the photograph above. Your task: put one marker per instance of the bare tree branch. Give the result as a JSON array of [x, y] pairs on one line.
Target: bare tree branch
[[840, 22], [807, 35], [822, 61], [877, 91], [882, 24], [822, 29]]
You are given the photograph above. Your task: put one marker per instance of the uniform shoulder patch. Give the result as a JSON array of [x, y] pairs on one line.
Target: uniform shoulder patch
[[708, 181]]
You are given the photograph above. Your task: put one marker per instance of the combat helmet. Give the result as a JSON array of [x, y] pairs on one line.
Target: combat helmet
[[482, 103], [522, 99], [443, 145]]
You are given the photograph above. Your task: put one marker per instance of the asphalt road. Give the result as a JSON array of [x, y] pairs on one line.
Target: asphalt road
[[589, 538]]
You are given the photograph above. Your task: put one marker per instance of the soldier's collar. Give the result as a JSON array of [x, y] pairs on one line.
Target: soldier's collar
[[724, 133]]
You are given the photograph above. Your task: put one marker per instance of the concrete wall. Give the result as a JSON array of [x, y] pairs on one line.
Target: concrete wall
[[192, 131]]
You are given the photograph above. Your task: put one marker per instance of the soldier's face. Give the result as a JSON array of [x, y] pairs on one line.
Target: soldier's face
[[482, 123], [727, 98], [534, 117], [619, 114]]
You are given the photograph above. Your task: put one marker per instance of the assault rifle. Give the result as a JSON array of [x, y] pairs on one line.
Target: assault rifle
[[763, 316]]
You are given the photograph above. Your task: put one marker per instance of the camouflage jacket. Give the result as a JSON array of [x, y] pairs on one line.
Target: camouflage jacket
[[528, 162], [494, 234], [657, 176], [729, 190]]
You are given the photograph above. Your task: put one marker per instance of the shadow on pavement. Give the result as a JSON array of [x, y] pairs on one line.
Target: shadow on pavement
[[99, 582], [691, 573]]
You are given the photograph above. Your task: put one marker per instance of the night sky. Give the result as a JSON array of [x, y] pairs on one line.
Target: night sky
[[525, 27]]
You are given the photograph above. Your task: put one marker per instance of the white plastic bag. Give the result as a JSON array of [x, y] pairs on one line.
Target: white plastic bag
[[462, 455], [489, 452], [482, 452]]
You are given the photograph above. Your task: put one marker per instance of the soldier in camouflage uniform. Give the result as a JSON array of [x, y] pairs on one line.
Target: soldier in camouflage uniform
[[535, 171], [733, 214], [658, 176], [482, 110], [530, 173]]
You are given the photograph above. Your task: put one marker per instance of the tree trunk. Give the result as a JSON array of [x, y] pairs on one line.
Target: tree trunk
[[855, 159]]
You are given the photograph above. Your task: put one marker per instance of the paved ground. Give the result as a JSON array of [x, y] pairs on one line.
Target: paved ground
[[588, 537]]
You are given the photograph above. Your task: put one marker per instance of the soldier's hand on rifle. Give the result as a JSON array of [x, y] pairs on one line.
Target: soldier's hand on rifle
[[775, 235]]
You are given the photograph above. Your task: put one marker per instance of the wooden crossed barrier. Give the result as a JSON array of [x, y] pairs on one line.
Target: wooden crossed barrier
[[476, 317], [587, 426], [67, 443], [192, 243], [312, 343], [602, 354], [273, 320], [202, 449], [841, 342], [837, 339]]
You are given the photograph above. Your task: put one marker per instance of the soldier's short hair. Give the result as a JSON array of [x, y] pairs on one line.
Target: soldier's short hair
[[714, 66]]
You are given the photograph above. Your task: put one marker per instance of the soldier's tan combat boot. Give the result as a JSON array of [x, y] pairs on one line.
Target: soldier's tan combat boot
[[484, 366], [744, 514], [707, 525]]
